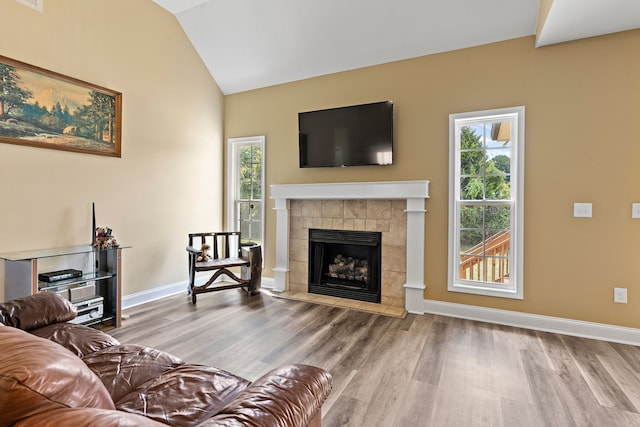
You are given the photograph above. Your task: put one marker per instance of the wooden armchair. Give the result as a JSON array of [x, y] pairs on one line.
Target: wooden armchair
[[222, 258]]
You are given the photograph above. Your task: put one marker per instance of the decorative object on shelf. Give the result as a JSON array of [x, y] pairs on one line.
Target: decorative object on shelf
[[58, 275], [105, 238], [50, 110]]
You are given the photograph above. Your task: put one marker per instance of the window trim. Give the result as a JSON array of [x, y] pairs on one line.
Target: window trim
[[232, 178], [516, 288]]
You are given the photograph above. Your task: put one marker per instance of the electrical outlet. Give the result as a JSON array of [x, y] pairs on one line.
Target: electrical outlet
[[635, 210], [620, 295]]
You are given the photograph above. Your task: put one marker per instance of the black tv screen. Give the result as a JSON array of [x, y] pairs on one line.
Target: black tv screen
[[357, 135]]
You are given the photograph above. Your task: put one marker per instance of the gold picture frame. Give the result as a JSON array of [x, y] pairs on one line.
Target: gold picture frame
[[41, 108]]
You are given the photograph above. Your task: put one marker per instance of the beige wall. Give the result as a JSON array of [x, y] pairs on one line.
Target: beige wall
[[169, 179], [582, 104]]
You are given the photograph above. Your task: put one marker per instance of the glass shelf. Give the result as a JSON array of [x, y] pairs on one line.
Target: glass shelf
[[88, 277], [54, 252]]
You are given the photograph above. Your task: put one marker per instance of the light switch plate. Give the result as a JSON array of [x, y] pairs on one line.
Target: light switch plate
[[620, 295], [582, 210], [635, 210]]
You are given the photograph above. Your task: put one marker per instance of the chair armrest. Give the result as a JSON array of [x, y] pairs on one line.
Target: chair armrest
[[251, 253], [193, 250], [35, 311], [289, 396]]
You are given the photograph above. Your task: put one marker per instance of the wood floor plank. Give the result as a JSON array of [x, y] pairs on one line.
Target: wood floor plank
[[368, 343], [519, 413], [423, 370], [604, 387], [342, 376], [509, 380], [452, 405], [433, 354], [346, 412], [416, 407], [547, 396], [621, 372], [571, 384], [390, 396]]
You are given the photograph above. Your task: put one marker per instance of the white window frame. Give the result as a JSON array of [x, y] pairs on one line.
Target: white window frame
[[515, 288], [233, 145]]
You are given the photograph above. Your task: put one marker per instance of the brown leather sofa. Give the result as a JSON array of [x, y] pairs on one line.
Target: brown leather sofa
[[56, 373]]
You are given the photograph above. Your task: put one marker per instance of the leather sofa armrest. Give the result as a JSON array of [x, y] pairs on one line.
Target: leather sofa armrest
[[289, 396], [36, 311], [81, 340], [39, 376]]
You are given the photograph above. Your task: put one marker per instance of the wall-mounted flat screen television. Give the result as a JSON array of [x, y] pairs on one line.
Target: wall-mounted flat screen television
[[357, 135]]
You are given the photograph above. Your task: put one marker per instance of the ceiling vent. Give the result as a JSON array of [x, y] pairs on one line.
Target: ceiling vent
[[34, 4]]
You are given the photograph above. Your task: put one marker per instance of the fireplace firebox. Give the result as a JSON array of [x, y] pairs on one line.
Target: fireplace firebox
[[345, 263]]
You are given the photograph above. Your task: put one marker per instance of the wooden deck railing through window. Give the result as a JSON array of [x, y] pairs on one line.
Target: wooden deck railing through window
[[488, 261]]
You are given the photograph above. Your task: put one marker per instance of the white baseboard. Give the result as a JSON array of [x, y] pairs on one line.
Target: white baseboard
[[578, 328], [142, 297], [267, 282]]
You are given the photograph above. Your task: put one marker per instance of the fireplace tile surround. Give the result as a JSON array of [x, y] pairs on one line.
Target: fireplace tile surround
[[395, 208], [385, 216]]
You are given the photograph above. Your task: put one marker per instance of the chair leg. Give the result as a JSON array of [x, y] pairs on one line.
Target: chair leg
[[255, 260], [192, 278]]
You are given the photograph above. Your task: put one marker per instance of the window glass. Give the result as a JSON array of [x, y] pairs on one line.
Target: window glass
[[246, 179], [486, 202]]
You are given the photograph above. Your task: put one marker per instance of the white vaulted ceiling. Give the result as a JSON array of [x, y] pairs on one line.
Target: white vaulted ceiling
[[249, 44]]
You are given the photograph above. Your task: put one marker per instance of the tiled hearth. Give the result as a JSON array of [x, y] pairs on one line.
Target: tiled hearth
[[396, 209]]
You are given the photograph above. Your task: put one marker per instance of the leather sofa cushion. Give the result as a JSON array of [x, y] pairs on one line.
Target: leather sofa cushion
[[36, 311], [185, 395], [50, 378], [78, 339], [87, 417], [123, 368]]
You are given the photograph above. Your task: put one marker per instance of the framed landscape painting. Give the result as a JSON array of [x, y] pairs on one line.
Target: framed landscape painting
[[41, 108]]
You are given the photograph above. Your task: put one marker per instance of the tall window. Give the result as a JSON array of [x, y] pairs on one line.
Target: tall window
[[486, 202], [246, 188]]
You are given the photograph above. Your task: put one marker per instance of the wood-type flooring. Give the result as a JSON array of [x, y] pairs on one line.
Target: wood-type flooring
[[424, 370]]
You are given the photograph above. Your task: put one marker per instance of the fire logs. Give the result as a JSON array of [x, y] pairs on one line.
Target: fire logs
[[349, 268]]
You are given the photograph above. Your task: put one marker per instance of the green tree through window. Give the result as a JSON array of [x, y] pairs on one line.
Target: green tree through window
[[481, 179]]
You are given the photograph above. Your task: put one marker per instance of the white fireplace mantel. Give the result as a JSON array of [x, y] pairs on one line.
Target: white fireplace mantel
[[415, 192]]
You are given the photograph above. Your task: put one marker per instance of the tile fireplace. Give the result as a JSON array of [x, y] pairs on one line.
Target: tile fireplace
[[394, 209]]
